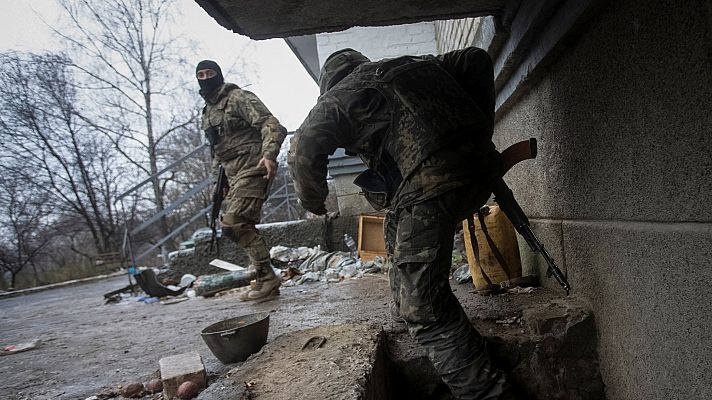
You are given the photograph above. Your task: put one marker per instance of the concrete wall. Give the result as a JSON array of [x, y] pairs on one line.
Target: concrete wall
[[621, 190], [375, 43]]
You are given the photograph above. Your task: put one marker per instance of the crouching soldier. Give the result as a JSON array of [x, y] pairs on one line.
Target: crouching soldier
[[423, 127]]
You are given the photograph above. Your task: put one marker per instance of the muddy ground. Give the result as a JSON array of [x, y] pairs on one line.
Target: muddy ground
[[88, 347]]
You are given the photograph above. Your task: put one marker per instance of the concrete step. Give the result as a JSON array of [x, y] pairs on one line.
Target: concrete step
[[545, 342]]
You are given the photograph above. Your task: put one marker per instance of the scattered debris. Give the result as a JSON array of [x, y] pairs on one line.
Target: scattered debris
[[187, 390], [20, 347], [154, 386], [116, 295], [174, 300], [462, 274], [287, 254], [517, 319], [521, 290], [309, 277], [290, 273], [314, 265], [150, 284], [209, 285], [226, 265], [132, 390], [148, 300], [108, 393]]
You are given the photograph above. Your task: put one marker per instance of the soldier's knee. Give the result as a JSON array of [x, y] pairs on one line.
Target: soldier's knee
[[229, 232], [240, 231]]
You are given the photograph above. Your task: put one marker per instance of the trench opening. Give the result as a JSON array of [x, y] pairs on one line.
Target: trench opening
[[402, 371]]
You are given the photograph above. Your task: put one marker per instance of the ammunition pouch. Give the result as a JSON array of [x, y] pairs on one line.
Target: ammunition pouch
[[213, 134]]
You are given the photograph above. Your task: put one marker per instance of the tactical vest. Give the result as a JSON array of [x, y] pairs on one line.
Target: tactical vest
[[231, 133], [429, 110]]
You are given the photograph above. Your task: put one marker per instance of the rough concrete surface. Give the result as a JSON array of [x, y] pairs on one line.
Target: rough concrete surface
[[625, 154], [257, 20], [300, 365], [89, 348]]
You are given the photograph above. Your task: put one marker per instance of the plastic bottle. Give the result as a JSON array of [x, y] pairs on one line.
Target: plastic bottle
[[350, 243]]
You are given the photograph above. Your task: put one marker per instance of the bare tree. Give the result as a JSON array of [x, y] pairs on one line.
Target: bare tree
[[126, 57], [52, 151], [23, 223]]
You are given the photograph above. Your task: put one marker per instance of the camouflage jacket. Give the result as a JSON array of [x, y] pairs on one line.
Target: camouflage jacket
[[422, 126], [244, 124]]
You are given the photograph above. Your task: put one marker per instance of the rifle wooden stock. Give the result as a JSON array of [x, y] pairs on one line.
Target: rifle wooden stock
[[524, 150], [514, 154]]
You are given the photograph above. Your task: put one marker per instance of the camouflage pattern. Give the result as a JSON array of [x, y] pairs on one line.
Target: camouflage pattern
[[422, 235], [423, 126], [248, 132], [417, 127], [245, 124], [337, 66]]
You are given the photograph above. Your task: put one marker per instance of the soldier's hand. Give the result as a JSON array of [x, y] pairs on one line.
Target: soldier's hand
[[270, 166]]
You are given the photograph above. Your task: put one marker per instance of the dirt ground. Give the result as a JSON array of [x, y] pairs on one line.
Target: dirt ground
[[87, 346]]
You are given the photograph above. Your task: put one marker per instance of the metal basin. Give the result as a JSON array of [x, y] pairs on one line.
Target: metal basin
[[233, 340]]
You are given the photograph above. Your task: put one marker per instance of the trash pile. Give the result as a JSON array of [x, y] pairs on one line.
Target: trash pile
[[315, 265], [296, 265], [20, 347]]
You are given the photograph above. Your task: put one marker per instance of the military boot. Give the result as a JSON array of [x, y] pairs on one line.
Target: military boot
[[267, 283], [395, 313]]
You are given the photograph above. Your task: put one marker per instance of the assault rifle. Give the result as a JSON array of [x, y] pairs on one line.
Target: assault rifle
[[218, 198], [505, 198]]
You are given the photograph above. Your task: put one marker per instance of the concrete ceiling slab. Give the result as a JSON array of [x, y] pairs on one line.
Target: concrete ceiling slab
[[283, 18]]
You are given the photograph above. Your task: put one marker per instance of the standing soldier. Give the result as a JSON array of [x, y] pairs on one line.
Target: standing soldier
[[423, 127], [245, 139]]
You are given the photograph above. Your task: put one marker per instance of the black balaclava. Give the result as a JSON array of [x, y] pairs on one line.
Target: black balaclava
[[208, 86]]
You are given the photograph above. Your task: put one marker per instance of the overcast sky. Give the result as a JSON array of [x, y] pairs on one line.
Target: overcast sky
[[278, 79]]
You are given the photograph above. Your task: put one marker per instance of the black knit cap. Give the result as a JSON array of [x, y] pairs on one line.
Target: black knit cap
[[208, 64]]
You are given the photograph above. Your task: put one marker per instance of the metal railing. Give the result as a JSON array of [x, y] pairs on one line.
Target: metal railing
[[285, 193]]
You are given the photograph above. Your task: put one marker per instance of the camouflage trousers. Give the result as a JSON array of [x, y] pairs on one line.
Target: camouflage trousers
[[239, 220], [419, 241]]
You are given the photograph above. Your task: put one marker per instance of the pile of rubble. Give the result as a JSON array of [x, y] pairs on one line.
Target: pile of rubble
[[296, 266], [302, 265]]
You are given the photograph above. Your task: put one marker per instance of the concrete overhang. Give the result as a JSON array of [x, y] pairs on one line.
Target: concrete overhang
[[285, 18]]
